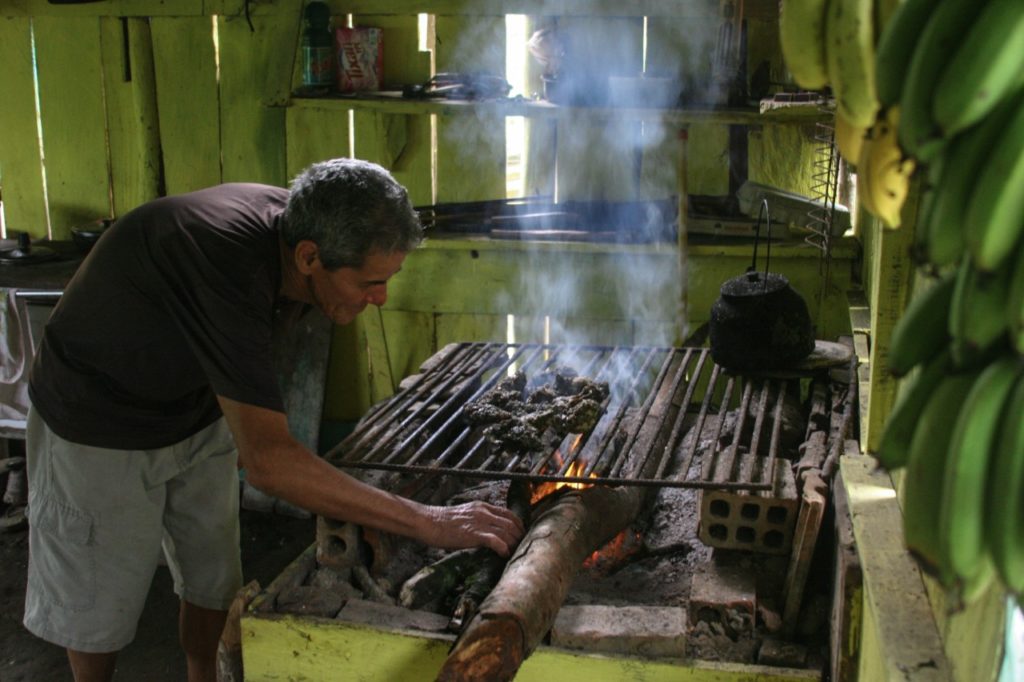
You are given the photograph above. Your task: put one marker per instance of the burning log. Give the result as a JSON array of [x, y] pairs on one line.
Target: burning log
[[514, 618], [520, 610]]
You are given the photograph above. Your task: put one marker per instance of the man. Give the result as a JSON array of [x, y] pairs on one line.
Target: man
[[154, 381]]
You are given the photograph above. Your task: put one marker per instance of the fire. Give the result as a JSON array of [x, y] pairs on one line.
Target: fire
[[618, 548], [575, 470]]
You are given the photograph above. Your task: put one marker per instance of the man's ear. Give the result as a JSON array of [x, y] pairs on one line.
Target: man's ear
[[306, 253]]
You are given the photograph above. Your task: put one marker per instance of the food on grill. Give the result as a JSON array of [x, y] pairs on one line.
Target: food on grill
[[517, 414]]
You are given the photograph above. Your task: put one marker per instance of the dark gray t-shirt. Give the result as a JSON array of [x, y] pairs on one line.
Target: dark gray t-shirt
[[173, 306]]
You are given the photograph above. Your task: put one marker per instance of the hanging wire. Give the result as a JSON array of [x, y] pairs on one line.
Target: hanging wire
[[824, 187]]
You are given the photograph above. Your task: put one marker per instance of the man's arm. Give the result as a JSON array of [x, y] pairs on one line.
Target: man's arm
[[279, 465]]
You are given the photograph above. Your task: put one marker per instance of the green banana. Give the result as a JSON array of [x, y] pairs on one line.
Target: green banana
[[995, 212], [977, 312], [962, 164], [1015, 305], [962, 518], [986, 67], [894, 446], [923, 328], [802, 37], [850, 59], [919, 134], [923, 482], [1004, 519], [896, 43]]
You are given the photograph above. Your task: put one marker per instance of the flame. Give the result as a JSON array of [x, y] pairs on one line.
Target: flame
[[617, 549], [575, 470]]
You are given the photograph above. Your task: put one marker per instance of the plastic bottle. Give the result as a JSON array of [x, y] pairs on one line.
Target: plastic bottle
[[317, 46]]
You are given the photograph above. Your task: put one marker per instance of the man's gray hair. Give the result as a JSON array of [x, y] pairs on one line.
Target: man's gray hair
[[350, 208]]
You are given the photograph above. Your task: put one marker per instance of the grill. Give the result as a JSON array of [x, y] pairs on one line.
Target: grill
[[657, 396]]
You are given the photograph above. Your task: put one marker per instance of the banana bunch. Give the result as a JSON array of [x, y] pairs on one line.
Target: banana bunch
[[833, 43], [932, 92]]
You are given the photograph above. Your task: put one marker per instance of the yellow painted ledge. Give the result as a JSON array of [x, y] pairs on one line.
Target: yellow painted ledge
[[900, 640], [307, 649]]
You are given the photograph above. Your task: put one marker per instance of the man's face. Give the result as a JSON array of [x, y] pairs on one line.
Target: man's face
[[344, 293]]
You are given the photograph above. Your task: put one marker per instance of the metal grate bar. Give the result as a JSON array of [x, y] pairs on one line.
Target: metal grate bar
[[653, 398]]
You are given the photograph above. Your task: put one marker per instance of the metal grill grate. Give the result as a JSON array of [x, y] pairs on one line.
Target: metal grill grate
[[657, 396]]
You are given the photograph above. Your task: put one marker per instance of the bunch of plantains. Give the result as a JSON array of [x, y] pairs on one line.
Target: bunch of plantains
[[936, 87]]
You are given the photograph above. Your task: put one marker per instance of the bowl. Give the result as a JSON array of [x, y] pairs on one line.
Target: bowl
[[85, 236]]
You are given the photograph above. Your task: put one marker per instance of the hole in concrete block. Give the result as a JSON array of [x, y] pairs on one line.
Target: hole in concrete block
[[718, 531], [777, 514], [773, 538], [750, 511], [719, 508], [745, 534]]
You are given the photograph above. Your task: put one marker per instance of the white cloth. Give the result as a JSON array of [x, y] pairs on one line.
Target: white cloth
[[16, 353]]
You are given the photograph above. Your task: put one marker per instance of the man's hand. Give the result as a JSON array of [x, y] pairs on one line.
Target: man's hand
[[474, 524]]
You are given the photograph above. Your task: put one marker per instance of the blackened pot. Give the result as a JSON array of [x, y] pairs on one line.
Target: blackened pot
[[760, 322]]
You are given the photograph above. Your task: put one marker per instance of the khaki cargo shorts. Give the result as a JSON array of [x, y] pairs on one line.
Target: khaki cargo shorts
[[99, 519]]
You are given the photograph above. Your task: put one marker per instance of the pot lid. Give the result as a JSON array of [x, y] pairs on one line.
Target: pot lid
[[753, 283], [26, 254]]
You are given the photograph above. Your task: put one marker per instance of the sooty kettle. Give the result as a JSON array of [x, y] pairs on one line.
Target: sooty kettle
[[759, 321]]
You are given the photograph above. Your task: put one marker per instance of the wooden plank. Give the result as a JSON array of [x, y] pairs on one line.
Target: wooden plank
[[587, 8], [277, 647], [892, 275], [392, 102], [602, 159], [899, 631], [132, 123], [973, 636], [470, 157], [455, 328], [107, 8], [397, 343], [400, 143], [187, 99], [21, 167], [347, 397], [313, 135], [73, 121], [252, 136]]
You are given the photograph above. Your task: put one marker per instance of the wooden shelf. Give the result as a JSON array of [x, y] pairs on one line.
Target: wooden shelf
[[393, 103]]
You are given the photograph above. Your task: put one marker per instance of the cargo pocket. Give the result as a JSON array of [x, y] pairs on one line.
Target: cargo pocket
[[61, 554]]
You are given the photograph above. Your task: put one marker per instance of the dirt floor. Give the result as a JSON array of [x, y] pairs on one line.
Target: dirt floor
[[269, 543]]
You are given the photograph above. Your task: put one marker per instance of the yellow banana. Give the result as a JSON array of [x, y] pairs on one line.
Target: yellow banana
[[888, 168], [802, 37], [849, 139], [971, 448], [923, 482], [1004, 520], [850, 58]]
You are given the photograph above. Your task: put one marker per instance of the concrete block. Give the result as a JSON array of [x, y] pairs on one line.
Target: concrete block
[[652, 631], [722, 591]]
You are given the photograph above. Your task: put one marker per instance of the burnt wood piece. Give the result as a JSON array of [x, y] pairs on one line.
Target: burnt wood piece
[[474, 571], [517, 614]]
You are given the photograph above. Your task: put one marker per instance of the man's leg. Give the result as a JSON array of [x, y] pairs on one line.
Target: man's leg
[[88, 667], [200, 631]]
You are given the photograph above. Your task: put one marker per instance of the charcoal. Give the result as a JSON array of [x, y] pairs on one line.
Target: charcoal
[[517, 413]]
